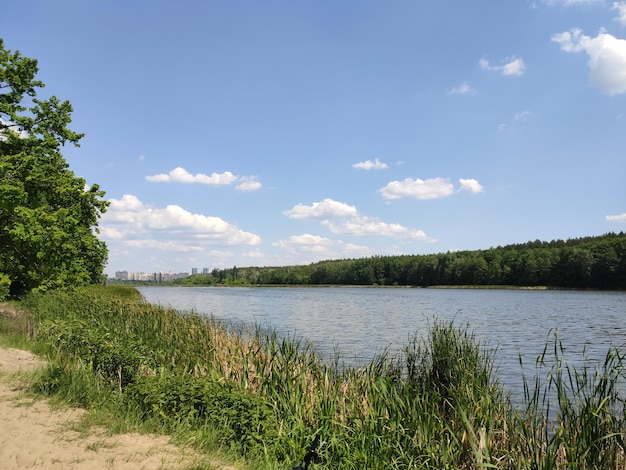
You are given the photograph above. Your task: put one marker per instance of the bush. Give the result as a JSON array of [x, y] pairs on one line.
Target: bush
[[5, 283], [244, 420], [118, 359]]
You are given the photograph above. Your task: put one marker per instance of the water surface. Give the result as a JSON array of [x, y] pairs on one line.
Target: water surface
[[361, 322]]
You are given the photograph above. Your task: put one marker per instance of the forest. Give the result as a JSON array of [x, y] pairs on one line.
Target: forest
[[581, 263]]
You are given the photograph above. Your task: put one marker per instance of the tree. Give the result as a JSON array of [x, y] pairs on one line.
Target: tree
[[48, 216]]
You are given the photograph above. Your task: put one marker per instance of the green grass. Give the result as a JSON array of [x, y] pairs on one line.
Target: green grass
[[249, 393]]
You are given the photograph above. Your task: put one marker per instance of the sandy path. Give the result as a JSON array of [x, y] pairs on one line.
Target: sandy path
[[33, 435]]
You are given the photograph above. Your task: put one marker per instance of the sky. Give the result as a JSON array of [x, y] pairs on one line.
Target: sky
[[247, 133]]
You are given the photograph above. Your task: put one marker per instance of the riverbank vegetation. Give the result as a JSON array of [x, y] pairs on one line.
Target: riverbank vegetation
[[437, 404], [582, 263]]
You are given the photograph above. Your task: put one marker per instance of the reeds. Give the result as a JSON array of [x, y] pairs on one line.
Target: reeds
[[437, 404]]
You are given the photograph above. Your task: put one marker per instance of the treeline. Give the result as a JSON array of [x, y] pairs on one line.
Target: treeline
[[586, 263]]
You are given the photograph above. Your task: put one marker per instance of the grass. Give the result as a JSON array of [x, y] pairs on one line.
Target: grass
[[252, 394]]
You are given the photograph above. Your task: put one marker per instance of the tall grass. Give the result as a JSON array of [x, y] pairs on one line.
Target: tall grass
[[437, 404]]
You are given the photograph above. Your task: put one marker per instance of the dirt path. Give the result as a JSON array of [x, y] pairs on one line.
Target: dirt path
[[34, 435]]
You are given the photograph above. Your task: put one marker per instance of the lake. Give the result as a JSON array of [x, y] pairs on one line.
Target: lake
[[360, 322]]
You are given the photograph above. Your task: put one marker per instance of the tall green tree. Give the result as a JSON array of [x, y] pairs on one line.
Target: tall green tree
[[48, 215]]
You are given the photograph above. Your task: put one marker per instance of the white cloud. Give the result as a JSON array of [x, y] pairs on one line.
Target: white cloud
[[350, 250], [515, 66], [127, 203], [342, 218], [326, 209], [248, 183], [172, 246], [607, 58], [137, 225], [371, 165], [463, 89], [471, 185], [111, 233], [180, 175], [616, 218], [433, 188], [569, 3], [305, 243], [570, 41], [315, 247], [367, 226], [255, 254], [621, 12]]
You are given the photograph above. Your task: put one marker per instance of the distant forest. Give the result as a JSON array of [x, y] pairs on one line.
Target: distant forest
[[582, 263]]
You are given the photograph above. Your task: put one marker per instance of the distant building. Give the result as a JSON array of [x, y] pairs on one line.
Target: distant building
[[194, 271], [205, 270], [149, 277]]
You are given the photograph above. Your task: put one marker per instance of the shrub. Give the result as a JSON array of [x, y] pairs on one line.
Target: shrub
[[5, 283], [118, 359], [243, 419]]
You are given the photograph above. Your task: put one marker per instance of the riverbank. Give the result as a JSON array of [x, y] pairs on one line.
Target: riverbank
[[272, 400], [36, 434]]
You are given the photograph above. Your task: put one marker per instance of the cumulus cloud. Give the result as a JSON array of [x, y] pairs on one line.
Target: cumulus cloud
[[248, 183], [326, 209], [315, 247], [367, 226], [172, 228], [463, 89], [371, 165], [515, 66], [342, 218], [180, 175], [171, 245], [471, 185], [616, 218], [432, 188], [305, 243], [607, 58]]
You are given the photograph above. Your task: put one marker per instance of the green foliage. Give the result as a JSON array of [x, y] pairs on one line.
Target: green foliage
[[116, 358], [47, 216], [244, 420], [5, 283]]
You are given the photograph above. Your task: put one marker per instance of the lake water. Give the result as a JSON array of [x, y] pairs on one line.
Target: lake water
[[361, 322]]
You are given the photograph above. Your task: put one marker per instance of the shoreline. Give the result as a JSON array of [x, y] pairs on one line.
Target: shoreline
[[33, 433]]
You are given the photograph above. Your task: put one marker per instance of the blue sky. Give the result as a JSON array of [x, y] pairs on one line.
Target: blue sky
[[286, 132]]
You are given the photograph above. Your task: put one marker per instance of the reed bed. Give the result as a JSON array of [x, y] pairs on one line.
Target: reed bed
[[437, 404]]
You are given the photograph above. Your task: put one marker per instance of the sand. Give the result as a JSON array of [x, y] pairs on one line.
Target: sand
[[35, 435]]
